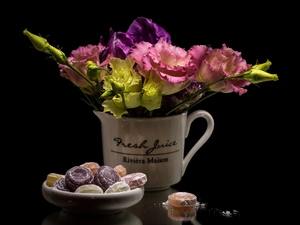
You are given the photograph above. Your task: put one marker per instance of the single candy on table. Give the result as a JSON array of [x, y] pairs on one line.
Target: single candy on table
[[135, 180], [89, 189], [182, 199], [77, 176], [119, 186], [106, 176]]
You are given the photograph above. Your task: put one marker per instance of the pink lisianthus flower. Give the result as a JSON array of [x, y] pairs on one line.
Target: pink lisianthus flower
[[218, 64], [78, 58], [171, 64]]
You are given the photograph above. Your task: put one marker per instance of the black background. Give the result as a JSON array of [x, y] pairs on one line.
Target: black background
[[246, 163]]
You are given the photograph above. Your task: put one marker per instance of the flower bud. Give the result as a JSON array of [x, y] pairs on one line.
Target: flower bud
[[93, 71], [117, 87], [58, 55], [263, 66], [41, 44], [257, 76], [109, 94]]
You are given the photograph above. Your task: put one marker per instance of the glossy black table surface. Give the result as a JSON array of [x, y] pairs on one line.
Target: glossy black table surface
[[152, 209]]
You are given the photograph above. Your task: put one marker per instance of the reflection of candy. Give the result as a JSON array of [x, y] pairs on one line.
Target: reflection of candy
[[60, 184], [93, 166], [77, 176], [121, 170], [181, 213], [135, 180], [89, 188], [106, 176], [182, 199], [52, 177], [119, 186]]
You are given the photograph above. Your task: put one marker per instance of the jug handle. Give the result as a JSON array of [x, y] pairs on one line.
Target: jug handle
[[209, 129]]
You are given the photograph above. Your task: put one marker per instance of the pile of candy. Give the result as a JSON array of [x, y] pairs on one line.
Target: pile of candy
[[90, 177]]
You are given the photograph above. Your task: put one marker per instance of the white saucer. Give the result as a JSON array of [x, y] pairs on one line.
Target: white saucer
[[92, 204]]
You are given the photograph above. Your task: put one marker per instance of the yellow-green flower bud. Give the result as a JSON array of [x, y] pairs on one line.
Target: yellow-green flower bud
[[257, 76], [109, 94], [263, 66], [93, 71], [58, 55], [41, 44], [117, 87]]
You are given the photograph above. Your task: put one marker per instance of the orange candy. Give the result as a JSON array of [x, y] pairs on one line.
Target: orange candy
[[93, 166], [182, 199], [121, 170]]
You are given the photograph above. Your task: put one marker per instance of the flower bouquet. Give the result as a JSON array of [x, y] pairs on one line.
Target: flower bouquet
[[140, 73]]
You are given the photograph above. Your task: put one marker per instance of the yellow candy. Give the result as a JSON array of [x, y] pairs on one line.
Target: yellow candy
[[52, 177]]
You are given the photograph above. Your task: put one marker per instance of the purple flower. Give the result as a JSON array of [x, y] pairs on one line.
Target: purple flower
[[118, 45], [141, 29]]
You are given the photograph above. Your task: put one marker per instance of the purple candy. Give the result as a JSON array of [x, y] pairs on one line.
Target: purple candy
[[60, 184], [77, 176], [105, 176]]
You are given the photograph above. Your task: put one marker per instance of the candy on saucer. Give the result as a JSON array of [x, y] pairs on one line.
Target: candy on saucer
[[61, 185], [93, 166], [119, 186], [121, 170], [89, 189], [52, 177], [77, 176], [135, 180], [106, 176]]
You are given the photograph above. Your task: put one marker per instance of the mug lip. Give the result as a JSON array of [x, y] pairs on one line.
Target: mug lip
[[127, 118]]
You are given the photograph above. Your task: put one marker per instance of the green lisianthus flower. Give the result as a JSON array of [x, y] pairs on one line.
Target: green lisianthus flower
[[111, 107], [152, 95], [124, 86]]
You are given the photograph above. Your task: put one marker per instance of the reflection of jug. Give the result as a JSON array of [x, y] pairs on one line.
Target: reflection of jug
[[152, 209], [64, 218]]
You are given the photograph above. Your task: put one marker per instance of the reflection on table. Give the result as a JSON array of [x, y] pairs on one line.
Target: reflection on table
[[152, 209]]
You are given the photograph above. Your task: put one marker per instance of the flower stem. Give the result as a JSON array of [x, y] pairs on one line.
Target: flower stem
[[197, 93], [81, 74]]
